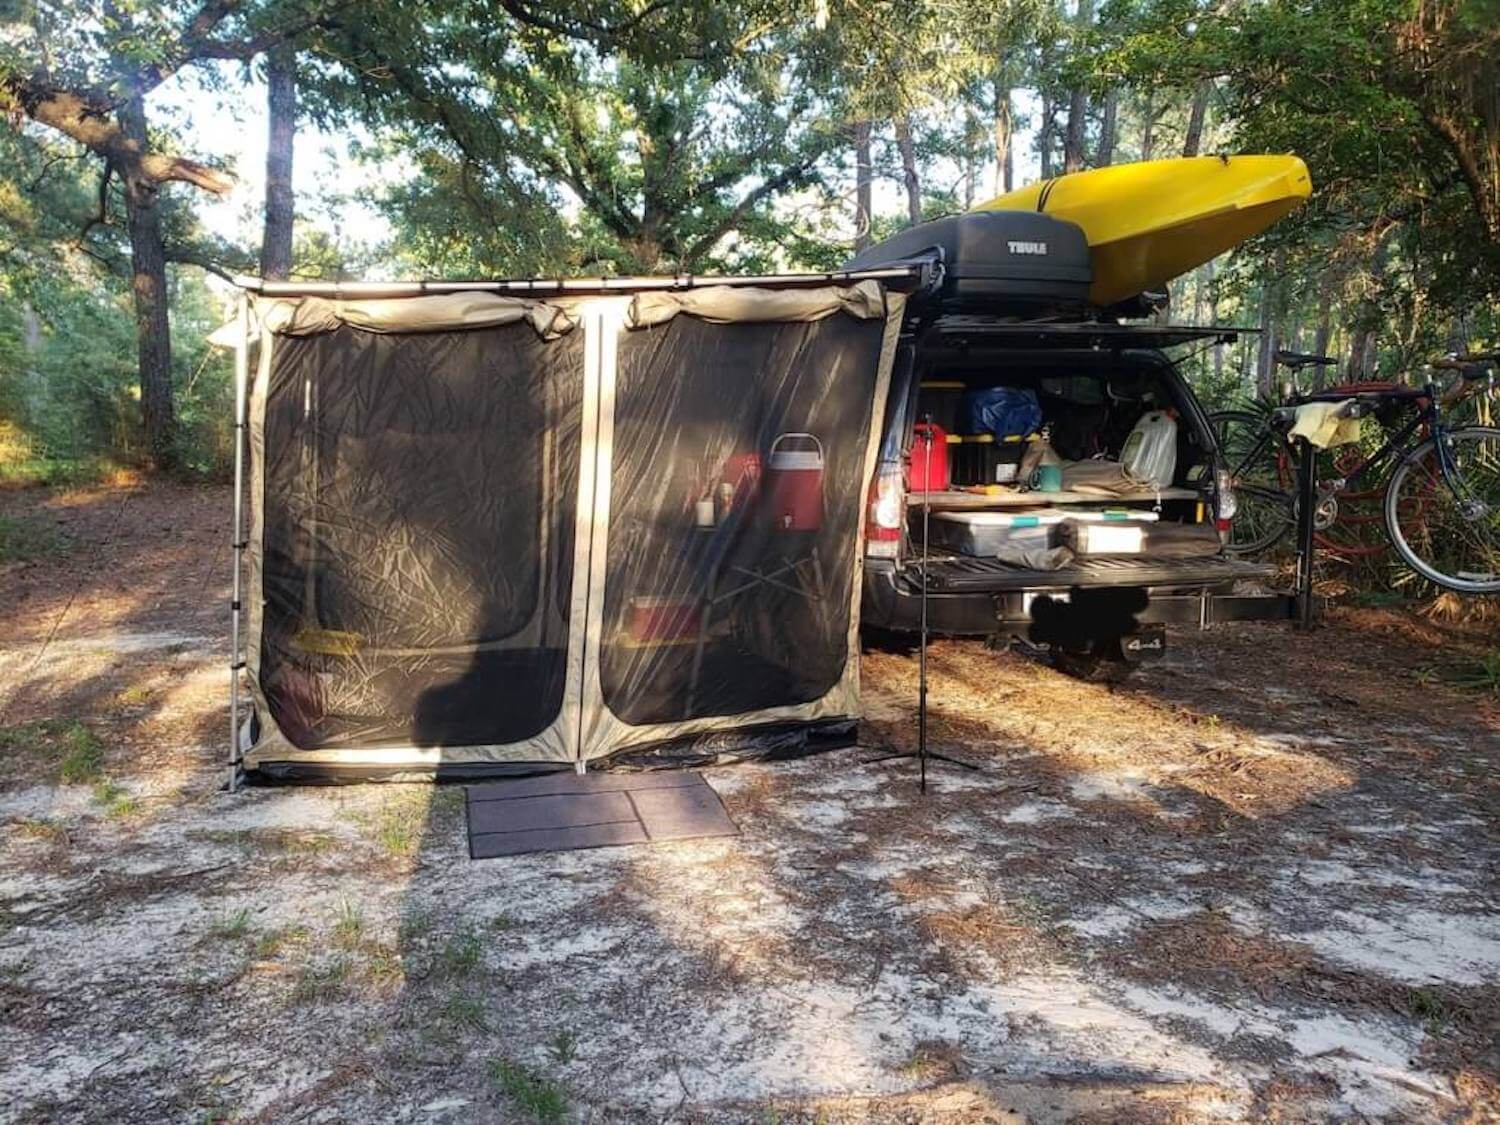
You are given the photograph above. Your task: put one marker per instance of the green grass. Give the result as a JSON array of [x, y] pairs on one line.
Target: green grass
[[1479, 675], [466, 1010], [416, 925], [400, 822], [383, 964], [70, 472], [533, 1094], [462, 953], [24, 538], [564, 1047], [235, 924], [61, 750], [83, 757], [136, 695], [40, 828], [325, 981], [286, 841], [114, 800], [272, 942], [350, 927]]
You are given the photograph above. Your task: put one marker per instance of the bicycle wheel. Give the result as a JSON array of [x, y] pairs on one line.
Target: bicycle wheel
[[1447, 528], [1263, 479]]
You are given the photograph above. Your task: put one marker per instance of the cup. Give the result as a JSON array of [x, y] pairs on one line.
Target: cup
[[1047, 478]]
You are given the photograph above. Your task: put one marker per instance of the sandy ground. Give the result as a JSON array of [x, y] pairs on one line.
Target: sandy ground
[[1257, 883]]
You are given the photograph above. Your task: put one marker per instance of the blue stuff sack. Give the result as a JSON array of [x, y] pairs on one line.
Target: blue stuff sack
[[1002, 411]]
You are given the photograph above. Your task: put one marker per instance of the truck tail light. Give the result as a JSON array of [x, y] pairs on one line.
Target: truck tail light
[[1227, 504], [885, 513]]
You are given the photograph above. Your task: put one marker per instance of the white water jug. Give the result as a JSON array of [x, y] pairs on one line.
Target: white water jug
[[1150, 453]]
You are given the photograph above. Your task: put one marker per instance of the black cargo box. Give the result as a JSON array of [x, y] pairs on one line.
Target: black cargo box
[[997, 261]]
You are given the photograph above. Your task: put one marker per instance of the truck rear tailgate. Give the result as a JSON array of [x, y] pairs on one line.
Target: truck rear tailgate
[[964, 574]]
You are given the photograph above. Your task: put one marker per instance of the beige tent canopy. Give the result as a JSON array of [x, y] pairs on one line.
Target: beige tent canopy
[[500, 525]]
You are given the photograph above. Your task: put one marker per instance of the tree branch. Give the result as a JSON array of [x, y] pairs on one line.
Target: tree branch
[[1468, 166], [523, 13], [92, 124], [102, 218], [738, 212]]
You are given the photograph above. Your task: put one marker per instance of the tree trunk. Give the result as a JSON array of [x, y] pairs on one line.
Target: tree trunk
[[1107, 127], [1358, 340], [1265, 367], [148, 284], [1078, 101], [909, 176], [1078, 104], [281, 106], [1148, 130], [1324, 328], [864, 177], [1193, 141], [1044, 137], [1213, 318], [1005, 161]]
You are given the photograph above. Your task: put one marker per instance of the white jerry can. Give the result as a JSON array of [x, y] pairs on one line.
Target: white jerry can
[[1150, 453]]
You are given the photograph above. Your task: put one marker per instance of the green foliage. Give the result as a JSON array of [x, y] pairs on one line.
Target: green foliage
[[533, 1094], [614, 136], [69, 386], [1482, 674], [23, 538], [83, 757], [66, 750]]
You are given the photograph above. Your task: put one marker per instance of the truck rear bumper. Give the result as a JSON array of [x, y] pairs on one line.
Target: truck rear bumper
[[971, 606]]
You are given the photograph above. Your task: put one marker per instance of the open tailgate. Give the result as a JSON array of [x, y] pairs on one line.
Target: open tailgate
[[961, 574]]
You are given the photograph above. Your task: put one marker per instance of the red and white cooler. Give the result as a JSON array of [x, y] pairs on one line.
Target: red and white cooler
[[794, 483]]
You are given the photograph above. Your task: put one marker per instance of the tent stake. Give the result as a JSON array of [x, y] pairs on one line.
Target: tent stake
[[236, 545]]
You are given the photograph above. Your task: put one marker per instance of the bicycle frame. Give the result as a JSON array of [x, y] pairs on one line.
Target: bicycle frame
[[1429, 414]]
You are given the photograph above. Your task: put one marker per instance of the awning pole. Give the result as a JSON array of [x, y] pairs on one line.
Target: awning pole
[[237, 544]]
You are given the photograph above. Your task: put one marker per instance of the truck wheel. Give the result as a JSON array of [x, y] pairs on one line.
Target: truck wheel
[[1094, 667]]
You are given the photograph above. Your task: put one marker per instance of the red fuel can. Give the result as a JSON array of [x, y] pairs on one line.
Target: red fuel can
[[935, 480], [794, 483]]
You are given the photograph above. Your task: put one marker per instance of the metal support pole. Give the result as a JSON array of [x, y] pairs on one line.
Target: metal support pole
[[1307, 516], [237, 544]]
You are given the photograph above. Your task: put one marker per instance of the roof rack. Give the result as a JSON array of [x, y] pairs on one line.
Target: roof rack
[[902, 276]]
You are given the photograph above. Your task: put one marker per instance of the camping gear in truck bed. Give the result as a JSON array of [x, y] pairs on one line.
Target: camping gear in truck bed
[[987, 534], [980, 459], [1154, 539]]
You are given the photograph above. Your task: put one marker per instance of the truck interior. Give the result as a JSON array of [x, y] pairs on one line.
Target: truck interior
[[989, 529]]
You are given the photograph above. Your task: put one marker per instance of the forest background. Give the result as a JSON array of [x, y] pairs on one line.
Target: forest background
[[155, 149]]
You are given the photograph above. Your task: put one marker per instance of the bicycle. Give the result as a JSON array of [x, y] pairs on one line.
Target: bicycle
[[1441, 505]]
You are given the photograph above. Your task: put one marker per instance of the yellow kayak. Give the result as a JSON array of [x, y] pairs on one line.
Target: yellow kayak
[[1149, 222]]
